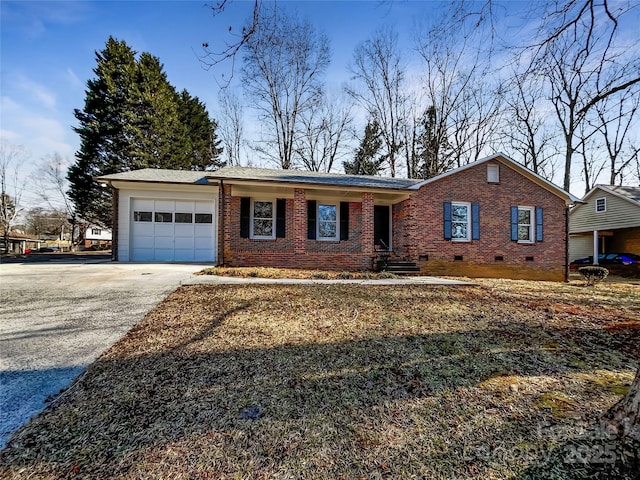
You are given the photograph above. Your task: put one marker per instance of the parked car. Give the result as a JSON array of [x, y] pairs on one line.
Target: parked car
[[610, 259], [48, 249]]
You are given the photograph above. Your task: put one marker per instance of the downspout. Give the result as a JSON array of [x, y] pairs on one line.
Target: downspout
[[221, 229], [566, 244]]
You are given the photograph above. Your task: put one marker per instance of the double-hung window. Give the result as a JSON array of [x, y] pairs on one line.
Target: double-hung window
[[460, 222], [327, 222], [526, 225], [263, 219], [601, 204]]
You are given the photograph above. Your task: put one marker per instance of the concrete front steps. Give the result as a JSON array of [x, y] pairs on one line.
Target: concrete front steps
[[398, 267]]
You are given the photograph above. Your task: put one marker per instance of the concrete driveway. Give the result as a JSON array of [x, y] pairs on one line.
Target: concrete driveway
[[58, 317]]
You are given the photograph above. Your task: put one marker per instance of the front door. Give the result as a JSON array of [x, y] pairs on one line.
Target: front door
[[381, 227]]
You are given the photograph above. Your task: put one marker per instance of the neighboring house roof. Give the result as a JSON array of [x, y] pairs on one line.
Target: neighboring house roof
[[625, 192], [18, 236], [621, 209], [314, 178], [504, 159]]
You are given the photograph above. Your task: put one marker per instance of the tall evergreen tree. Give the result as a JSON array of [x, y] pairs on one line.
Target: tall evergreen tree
[[134, 118], [202, 144], [433, 149], [160, 139], [105, 130], [367, 161]]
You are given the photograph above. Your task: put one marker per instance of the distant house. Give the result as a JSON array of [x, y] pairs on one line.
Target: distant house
[[491, 218], [607, 222], [18, 243], [97, 237]]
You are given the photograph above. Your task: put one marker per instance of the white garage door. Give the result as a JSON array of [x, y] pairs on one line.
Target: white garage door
[[173, 230]]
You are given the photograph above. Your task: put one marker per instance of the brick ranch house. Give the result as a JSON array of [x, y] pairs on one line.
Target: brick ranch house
[[491, 218]]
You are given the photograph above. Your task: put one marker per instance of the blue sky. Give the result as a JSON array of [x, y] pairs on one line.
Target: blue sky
[[48, 53]]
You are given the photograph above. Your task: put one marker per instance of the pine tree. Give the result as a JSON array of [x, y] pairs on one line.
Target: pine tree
[[432, 146], [203, 146], [134, 118], [105, 130], [367, 160]]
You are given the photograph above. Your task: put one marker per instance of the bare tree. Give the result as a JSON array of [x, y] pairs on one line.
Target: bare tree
[[616, 124], [52, 185], [465, 98], [11, 187], [524, 128], [230, 126], [379, 74], [585, 62], [324, 134], [284, 62]]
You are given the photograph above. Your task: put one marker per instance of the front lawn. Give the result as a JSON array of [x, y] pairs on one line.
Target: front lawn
[[348, 382]]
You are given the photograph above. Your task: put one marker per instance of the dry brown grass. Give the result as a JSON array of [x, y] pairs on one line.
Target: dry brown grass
[[300, 274], [354, 382]]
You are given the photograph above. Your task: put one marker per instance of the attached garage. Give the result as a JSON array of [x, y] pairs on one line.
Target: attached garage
[[165, 216]]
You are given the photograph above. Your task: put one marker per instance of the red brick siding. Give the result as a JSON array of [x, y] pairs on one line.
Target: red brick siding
[[418, 227], [295, 250]]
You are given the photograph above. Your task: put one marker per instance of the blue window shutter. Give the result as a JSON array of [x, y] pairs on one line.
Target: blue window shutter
[[311, 219], [514, 224], [539, 226], [447, 220], [245, 216], [475, 221], [281, 217]]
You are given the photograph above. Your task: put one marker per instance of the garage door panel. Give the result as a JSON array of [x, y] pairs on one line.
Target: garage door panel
[[182, 240], [165, 205]]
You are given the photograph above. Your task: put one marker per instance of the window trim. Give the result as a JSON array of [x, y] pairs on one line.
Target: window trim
[[496, 168], [335, 205], [273, 203], [604, 199], [469, 226], [532, 224]]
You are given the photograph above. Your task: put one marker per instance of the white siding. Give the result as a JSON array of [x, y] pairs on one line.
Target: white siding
[[171, 195]]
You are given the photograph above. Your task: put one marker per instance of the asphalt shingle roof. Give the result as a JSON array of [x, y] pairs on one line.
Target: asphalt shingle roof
[[317, 178], [633, 193], [158, 175], [261, 174]]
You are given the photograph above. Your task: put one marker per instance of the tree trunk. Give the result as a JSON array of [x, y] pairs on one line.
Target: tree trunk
[[623, 419]]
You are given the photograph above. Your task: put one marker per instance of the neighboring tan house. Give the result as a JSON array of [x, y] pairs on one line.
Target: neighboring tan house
[[493, 217], [607, 222]]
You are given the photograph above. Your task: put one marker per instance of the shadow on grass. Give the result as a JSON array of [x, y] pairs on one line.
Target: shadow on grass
[[395, 406], [127, 405]]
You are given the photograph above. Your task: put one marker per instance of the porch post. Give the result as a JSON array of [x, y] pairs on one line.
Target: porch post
[[299, 221], [367, 223], [595, 247]]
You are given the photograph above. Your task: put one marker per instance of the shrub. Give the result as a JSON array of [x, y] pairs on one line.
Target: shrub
[[346, 275], [320, 275], [593, 274], [386, 275]]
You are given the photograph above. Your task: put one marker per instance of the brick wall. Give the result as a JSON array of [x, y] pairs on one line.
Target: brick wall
[[419, 229], [295, 250]]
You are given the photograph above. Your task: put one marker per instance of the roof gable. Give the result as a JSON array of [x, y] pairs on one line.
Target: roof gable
[[629, 193], [504, 159]]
